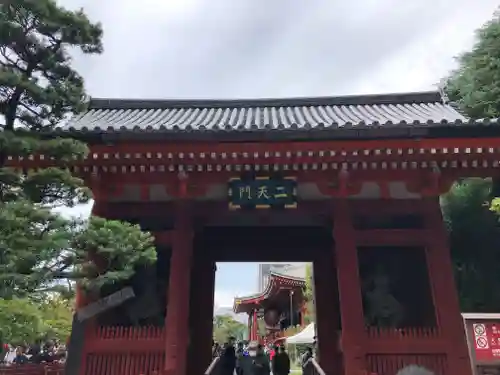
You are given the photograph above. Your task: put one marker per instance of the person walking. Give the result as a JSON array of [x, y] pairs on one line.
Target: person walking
[[239, 357], [305, 359], [260, 363], [228, 358], [281, 362]]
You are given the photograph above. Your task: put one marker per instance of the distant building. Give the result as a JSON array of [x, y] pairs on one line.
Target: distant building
[[291, 269], [279, 304]]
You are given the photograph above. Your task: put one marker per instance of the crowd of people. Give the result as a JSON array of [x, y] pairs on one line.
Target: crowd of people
[[37, 353], [254, 359]]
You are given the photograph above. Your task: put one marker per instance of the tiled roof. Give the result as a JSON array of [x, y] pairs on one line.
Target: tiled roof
[[326, 114], [296, 271], [269, 286]]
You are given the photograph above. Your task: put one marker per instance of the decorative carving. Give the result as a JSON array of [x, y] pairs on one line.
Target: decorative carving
[[146, 306], [383, 310]]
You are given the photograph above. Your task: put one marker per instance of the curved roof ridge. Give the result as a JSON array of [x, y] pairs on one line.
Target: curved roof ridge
[[286, 276], [366, 99]]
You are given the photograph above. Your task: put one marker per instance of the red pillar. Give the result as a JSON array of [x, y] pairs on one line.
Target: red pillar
[[325, 302], [201, 320], [302, 314], [255, 327], [250, 326], [207, 313], [449, 319], [177, 320], [351, 305]]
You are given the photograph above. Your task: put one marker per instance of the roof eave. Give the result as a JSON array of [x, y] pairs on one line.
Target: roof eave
[[285, 276], [257, 298], [354, 132]]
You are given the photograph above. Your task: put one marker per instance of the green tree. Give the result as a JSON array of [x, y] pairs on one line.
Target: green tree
[[20, 321], [57, 317], [225, 326], [474, 242], [23, 320], [38, 90], [310, 315], [475, 85]]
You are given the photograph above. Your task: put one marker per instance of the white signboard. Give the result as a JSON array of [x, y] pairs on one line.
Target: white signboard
[[105, 303]]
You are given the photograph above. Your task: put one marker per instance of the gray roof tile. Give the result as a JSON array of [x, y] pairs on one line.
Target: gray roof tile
[[331, 114]]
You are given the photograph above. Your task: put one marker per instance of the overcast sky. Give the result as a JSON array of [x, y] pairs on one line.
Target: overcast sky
[[262, 48], [274, 48]]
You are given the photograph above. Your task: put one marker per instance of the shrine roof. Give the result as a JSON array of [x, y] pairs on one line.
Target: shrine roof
[[274, 281], [344, 117]]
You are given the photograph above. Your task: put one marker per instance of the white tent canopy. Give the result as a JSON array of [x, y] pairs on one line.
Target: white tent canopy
[[306, 336]]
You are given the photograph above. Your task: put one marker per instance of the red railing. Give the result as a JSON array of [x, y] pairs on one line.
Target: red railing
[[390, 364], [115, 339], [114, 350], [129, 333], [145, 363], [33, 369], [402, 333]]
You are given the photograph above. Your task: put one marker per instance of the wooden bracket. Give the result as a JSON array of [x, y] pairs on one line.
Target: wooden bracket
[[432, 183], [182, 187], [185, 187], [95, 184], [341, 187]]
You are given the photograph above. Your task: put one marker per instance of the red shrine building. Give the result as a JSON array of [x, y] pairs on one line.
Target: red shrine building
[[351, 184], [280, 305]]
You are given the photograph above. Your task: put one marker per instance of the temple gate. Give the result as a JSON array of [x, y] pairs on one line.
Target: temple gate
[[353, 185]]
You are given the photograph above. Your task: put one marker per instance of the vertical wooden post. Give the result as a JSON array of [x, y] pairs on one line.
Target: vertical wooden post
[[249, 326], [351, 305], [177, 320], [201, 314], [446, 303], [302, 314], [325, 284], [255, 326], [208, 290]]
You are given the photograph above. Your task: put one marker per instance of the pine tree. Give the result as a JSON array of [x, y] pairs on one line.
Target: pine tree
[[38, 90]]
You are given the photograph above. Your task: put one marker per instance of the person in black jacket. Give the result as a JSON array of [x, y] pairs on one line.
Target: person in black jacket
[[281, 362], [228, 358], [239, 356]]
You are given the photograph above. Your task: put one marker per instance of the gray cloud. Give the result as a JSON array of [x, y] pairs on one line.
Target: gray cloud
[[257, 48]]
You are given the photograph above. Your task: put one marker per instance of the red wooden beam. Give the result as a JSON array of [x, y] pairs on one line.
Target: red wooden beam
[[392, 237], [164, 238], [114, 181], [386, 207], [138, 160], [251, 147], [203, 210], [132, 153]]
